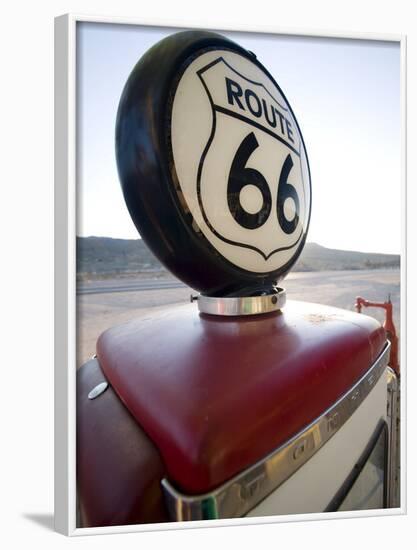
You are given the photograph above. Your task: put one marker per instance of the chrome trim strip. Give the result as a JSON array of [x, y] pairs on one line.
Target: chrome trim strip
[[242, 305], [243, 492], [393, 421]]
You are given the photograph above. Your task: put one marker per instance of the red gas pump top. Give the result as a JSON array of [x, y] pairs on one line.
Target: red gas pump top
[[217, 394]]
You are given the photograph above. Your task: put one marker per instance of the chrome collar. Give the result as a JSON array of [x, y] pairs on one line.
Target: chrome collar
[[241, 305]]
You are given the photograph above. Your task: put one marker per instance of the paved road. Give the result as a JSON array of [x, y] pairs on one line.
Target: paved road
[[126, 285], [103, 304]]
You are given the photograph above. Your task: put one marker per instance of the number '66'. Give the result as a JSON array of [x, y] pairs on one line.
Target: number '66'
[[240, 176]]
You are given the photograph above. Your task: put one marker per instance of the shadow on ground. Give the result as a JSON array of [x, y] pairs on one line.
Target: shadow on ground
[[44, 520]]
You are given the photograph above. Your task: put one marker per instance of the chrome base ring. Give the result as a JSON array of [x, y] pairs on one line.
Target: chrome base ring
[[241, 305]]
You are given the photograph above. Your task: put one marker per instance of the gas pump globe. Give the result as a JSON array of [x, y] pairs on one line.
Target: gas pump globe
[[239, 403]]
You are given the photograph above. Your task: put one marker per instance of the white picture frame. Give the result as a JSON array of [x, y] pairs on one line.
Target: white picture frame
[[65, 271]]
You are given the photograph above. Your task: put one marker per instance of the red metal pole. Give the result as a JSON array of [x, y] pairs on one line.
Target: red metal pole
[[388, 326]]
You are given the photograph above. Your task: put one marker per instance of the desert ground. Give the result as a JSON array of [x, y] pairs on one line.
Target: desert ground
[[103, 304]]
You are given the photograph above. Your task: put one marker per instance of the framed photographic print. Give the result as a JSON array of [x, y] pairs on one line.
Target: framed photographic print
[[229, 309]]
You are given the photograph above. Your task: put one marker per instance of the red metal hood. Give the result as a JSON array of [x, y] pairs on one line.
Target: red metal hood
[[216, 394]]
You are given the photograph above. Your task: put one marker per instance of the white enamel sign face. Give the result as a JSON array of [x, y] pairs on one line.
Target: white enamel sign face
[[240, 161]]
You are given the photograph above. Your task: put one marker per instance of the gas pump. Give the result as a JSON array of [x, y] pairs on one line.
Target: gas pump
[[240, 403]]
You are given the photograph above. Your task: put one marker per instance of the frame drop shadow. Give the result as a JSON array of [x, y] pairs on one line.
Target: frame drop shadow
[[44, 520]]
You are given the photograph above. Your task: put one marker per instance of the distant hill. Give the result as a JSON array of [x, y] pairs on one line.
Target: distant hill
[[106, 256], [100, 257], [318, 258]]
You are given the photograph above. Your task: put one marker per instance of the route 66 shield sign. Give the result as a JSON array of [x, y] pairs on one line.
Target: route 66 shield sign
[[227, 160], [244, 182]]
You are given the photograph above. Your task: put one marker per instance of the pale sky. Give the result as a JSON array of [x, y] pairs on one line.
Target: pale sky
[[345, 95]]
